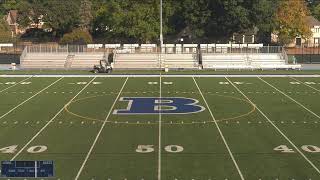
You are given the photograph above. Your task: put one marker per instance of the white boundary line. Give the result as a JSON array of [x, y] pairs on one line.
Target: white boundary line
[[170, 75], [16, 84], [305, 84], [220, 132], [160, 131], [100, 131], [30, 98], [276, 127], [291, 98], [45, 126]]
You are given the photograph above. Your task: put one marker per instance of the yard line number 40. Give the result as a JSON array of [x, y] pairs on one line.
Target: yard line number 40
[[14, 148], [306, 148]]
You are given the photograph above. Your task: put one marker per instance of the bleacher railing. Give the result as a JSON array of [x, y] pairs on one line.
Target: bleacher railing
[[241, 50], [51, 49], [152, 48]]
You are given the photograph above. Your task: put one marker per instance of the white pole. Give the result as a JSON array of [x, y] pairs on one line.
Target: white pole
[[161, 35]]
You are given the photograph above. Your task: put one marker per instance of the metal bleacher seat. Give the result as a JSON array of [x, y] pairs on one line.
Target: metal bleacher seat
[[86, 61], [136, 61], [38, 60]]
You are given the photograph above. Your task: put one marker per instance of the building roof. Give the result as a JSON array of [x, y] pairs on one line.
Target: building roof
[[13, 16], [312, 21]]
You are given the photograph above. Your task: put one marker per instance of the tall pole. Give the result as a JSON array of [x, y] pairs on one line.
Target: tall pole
[[161, 35]]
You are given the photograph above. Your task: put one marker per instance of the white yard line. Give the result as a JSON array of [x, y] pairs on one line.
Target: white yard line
[[100, 131], [291, 98], [305, 84], [276, 127], [159, 137], [15, 84], [220, 132], [30, 98], [46, 125]]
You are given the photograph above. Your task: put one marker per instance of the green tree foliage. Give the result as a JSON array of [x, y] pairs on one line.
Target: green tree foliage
[[30, 12], [77, 36], [62, 16], [8, 5], [138, 20], [5, 32], [85, 14]]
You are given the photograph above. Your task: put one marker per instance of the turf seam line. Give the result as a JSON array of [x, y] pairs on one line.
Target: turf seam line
[[100, 131], [220, 132], [15, 84], [290, 98], [278, 129], [29, 98], [47, 124]]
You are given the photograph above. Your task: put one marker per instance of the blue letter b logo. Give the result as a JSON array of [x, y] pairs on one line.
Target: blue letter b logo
[[156, 105]]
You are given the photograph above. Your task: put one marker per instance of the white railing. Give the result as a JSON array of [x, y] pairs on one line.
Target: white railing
[[23, 55]]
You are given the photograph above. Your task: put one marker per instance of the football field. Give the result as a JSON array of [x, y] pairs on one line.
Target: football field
[[164, 127]]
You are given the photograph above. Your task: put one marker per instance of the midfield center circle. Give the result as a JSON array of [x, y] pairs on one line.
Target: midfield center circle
[[225, 106]]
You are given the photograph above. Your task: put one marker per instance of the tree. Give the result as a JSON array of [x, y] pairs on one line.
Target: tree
[[194, 15], [30, 12], [85, 14], [5, 32], [61, 16], [291, 19], [130, 19], [263, 16], [77, 36], [316, 11]]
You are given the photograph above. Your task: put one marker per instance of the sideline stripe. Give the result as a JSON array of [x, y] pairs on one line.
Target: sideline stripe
[[100, 131], [15, 84], [290, 98], [220, 132], [30, 98], [46, 125], [160, 131], [305, 84], [276, 127], [171, 75]]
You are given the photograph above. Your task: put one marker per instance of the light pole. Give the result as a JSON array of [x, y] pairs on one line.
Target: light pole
[[161, 35]]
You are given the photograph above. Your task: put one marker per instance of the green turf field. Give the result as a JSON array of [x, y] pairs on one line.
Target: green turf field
[[248, 128]]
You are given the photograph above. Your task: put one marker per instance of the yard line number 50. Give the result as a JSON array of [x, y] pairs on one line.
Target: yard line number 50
[[150, 148]]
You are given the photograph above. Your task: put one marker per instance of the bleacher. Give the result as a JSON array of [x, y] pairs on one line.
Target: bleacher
[[86, 61], [44, 61], [251, 56], [148, 56], [223, 61], [136, 61], [178, 61]]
